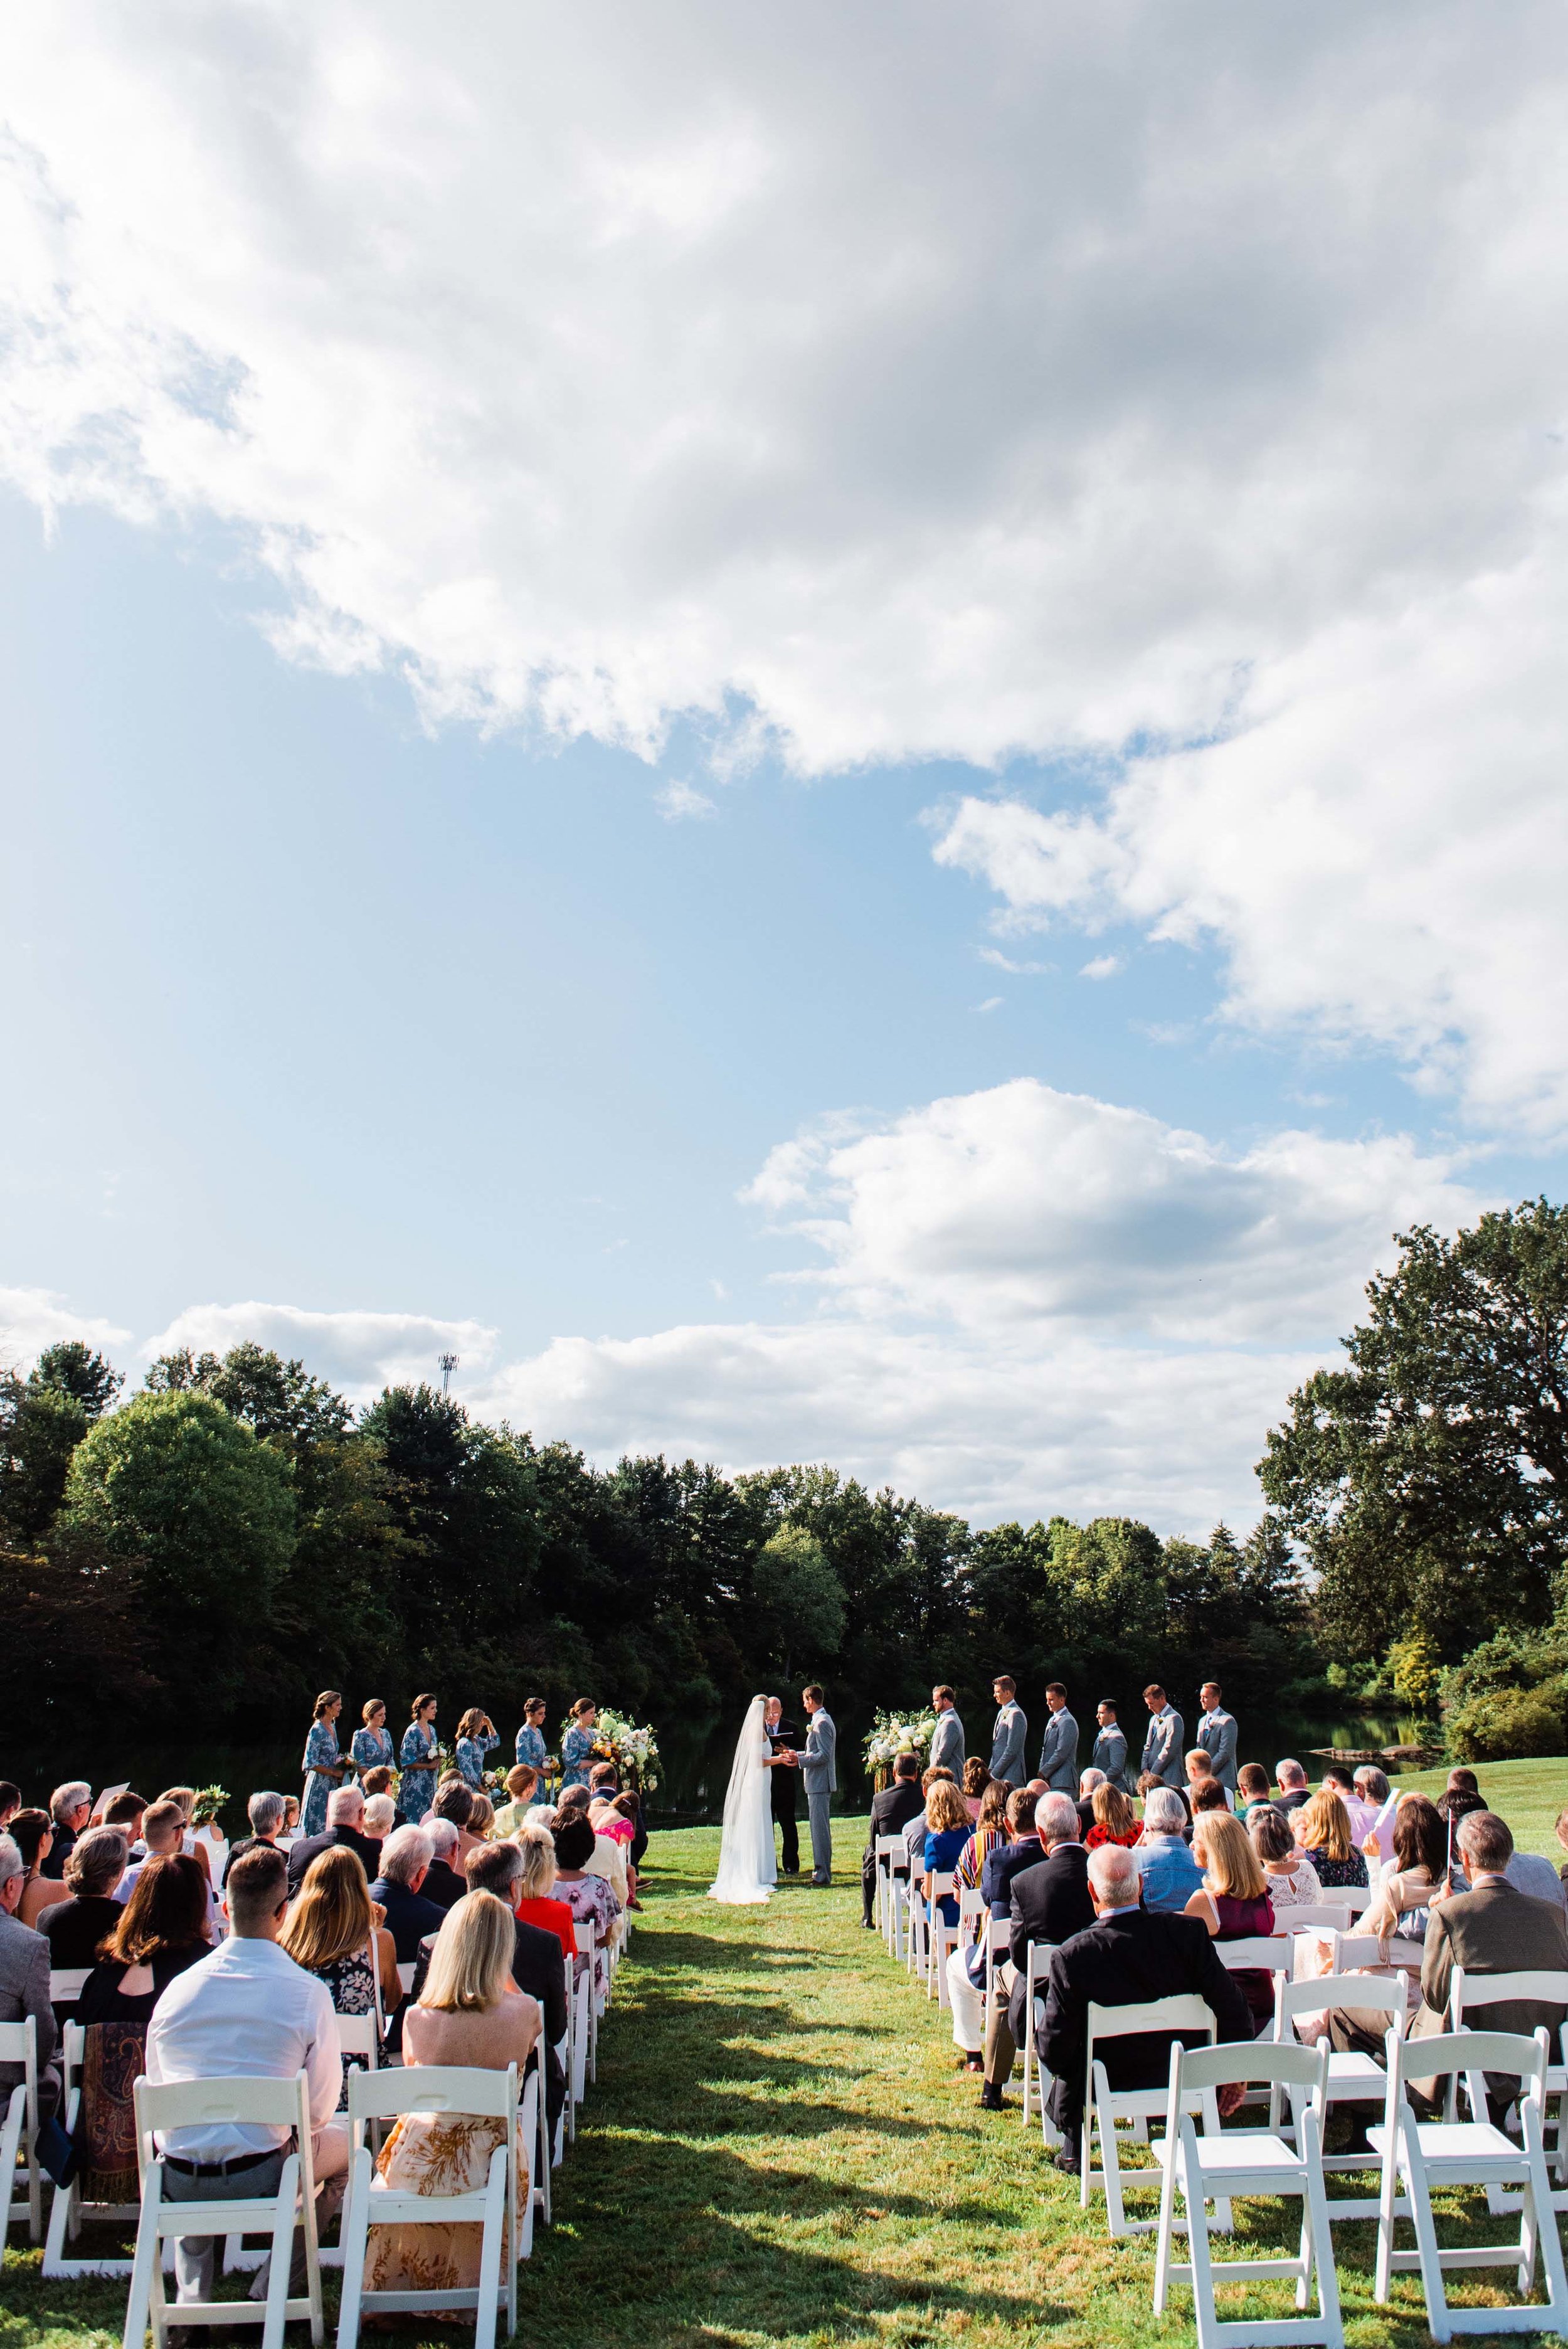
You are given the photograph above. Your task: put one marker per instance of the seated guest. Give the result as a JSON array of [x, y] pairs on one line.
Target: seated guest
[[1114, 1819], [966, 1965], [71, 1810], [892, 1811], [398, 1892], [1129, 1957], [74, 1928], [977, 1778], [610, 1860], [1022, 1849], [990, 1829], [1170, 1874], [1251, 1788], [1404, 1892], [25, 1980], [1195, 1765], [345, 1831], [190, 1843], [1207, 1794], [1293, 1790], [380, 1818], [947, 1833], [125, 1811], [1337, 1780], [1372, 1792], [1090, 1780], [521, 1786], [1050, 1903], [1291, 1877], [33, 1835], [587, 1895], [291, 1823], [443, 1885], [245, 2010], [538, 1903], [163, 1836], [1149, 1782], [603, 1782], [158, 1933], [455, 1803], [1462, 1794], [1322, 1827], [915, 1834], [333, 1932], [481, 1818], [1234, 1899], [628, 1807], [536, 1960], [266, 1813], [1493, 1929], [468, 2013]]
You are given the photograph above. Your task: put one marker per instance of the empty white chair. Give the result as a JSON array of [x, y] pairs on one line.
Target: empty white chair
[[941, 1936], [1550, 1986], [1354, 2077], [1324, 1916], [890, 1851], [585, 1949], [19, 2164], [1446, 2154], [67, 1983], [406, 1976], [197, 2103], [1037, 1965], [1130, 2109], [1222, 2162], [1257, 1952], [500, 2207]]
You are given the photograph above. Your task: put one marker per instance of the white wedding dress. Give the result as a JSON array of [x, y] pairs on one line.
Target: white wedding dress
[[747, 1870]]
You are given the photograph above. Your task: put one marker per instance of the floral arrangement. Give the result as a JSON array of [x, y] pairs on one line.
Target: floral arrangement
[[892, 1733], [210, 1801], [633, 1751]]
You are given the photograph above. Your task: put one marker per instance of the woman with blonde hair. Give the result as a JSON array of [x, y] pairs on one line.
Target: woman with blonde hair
[[334, 1930], [481, 1818], [191, 1843], [468, 2012], [977, 1778], [1115, 1820], [947, 1830], [537, 1903], [1234, 1899], [1323, 1830]]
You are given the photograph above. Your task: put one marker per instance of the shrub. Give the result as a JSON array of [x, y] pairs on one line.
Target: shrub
[[1502, 1724]]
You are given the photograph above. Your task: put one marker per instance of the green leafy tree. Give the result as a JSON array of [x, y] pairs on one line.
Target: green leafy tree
[[73, 1368], [1428, 1479], [43, 1417], [803, 1599], [177, 1483]]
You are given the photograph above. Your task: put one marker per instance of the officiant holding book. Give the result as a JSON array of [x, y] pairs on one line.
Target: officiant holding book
[[784, 1738]]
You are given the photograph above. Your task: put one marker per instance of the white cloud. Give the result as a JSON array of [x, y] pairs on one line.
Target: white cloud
[[1102, 967], [991, 1003], [359, 1353], [31, 1319], [678, 800], [995, 956]]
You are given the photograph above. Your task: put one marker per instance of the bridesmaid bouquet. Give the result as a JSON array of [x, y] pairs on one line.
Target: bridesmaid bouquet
[[210, 1801], [633, 1751], [892, 1733]]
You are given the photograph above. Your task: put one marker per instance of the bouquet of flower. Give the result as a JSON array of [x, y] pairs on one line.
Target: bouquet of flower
[[210, 1801], [892, 1733], [633, 1751]]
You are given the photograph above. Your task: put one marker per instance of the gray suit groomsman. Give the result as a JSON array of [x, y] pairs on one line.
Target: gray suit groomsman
[[1110, 1747], [1163, 1746], [1008, 1736], [947, 1743], [820, 1774], [1058, 1747], [1217, 1735]]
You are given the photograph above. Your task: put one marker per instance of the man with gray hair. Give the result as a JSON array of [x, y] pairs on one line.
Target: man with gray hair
[[1294, 1791], [25, 1983], [1090, 1780], [70, 1810], [266, 1812], [1049, 1902], [443, 1885], [1493, 1929], [1127, 1957], [345, 1824], [406, 1859]]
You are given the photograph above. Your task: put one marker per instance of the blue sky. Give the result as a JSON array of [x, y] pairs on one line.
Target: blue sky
[[369, 993]]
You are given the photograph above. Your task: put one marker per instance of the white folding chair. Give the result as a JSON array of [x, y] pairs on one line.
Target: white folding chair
[[998, 1946], [1547, 1985], [915, 1938], [406, 1976], [1353, 1897], [19, 2163], [1225, 2163], [1112, 2109], [498, 2207], [1314, 1916], [69, 2206], [585, 1949], [1037, 1965], [1353, 2076], [1257, 1952], [165, 2106], [940, 1937], [1446, 2154], [887, 1851], [67, 1983], [1351, 1952]]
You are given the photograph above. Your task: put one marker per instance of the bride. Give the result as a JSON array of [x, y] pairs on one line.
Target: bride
[[747, 1870]]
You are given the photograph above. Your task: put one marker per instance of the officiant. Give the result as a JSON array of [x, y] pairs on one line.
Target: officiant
[[784, 1782]]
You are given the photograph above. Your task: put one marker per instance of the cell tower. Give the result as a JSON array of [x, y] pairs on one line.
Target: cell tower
[[448, 1364]]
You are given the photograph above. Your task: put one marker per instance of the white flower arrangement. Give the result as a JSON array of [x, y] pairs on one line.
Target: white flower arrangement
[[892, 1733]]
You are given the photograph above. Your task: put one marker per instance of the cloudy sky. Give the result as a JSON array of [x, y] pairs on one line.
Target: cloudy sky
[[829, 734]]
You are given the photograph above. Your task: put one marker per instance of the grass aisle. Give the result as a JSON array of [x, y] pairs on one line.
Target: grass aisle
[[779, 2150]]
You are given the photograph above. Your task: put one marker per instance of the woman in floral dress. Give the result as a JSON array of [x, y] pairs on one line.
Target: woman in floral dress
[[532, 1750], [476, 1738], [324, 1766], [417, 1762], [577, 1745], [589, 1898], [371, 1748]]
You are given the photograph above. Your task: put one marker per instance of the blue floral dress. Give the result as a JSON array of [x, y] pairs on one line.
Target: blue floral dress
[[321, 1756], [531, 1749], [416, 1782], [576, 1757], [472, 1752], [372, 1749]]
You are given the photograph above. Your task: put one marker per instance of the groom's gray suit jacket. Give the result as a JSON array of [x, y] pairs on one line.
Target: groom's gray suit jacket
[[818, 1769], [947, 1745]]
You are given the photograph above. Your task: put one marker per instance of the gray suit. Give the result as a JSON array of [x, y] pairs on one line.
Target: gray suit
[[947, 1745], [1110, 1755], [1216, 1733], [1058, 1753], [821, 1778], [1163, 1746], [1008, 1738], [24, 1992]]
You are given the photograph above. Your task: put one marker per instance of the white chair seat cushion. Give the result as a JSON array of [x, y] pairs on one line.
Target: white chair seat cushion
[[1236, 2150], [1460, 2141]]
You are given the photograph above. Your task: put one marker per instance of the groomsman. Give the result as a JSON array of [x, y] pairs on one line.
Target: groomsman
[[1217, 1735], [1110, 1746], [1008, 1735], [1058, 1747], [821, 1780], [1163, 1746], [947, 1740]]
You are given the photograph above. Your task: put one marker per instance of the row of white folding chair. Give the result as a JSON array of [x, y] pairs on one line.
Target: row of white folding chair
[[890, 1852], [1540, 1986], [19, 2163]]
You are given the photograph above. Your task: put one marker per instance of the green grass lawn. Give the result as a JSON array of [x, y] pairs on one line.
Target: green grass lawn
[[779, 2150]]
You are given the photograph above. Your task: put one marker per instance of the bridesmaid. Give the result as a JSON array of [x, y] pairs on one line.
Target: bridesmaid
[[416, 1762], [532, 1750], [372, 1747], [476, 1738], [324, 1766], [577, 1745]]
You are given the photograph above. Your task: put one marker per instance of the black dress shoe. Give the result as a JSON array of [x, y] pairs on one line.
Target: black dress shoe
[[992, 2100], [1068, 2158]]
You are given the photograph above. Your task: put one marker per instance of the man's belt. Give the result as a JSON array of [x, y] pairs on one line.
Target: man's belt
[[241, 2161]]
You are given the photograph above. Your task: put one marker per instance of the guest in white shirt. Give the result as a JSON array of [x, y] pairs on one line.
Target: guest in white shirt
[[248, 2012], [1372, 1790], [163, 1833]]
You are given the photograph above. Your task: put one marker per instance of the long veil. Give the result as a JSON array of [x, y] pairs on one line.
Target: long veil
[[747, 1814]]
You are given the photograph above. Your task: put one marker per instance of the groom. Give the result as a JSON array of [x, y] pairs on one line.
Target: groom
[[821, 1779]]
